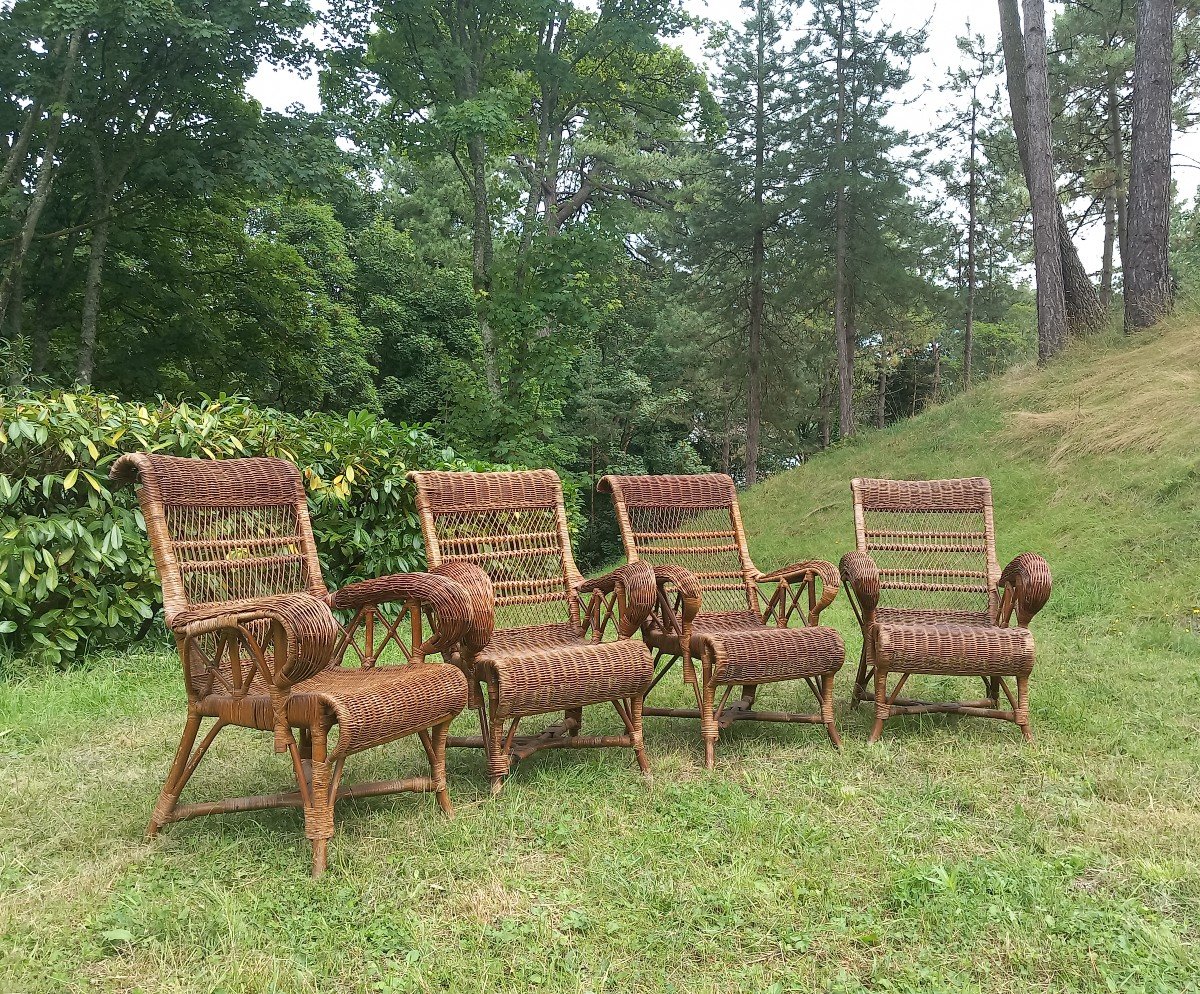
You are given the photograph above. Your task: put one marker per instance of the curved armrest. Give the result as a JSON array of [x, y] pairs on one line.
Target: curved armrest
[[310, 631], [480, 617], [634, 585], [808, 571], [1028, 577], [862, 576], [447, 599], [299, 643], [680, 577]]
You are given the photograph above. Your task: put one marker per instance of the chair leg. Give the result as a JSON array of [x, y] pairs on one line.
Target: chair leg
[[491, 730], [639, 745], [434, 741], [827, 710], [499, 760], [318, 813], [709, 729], [180, 772], [1022, 715], [882, 708], [860, 679], [437, 767], [577, 714]]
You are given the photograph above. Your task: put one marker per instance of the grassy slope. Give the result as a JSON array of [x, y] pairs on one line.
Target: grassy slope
[[950, 857]]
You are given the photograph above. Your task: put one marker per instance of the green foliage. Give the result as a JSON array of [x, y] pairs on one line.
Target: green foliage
[[950, 858], [77, 568]]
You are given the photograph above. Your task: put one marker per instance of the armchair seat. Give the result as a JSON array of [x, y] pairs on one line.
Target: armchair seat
[[953, 649], [370, 707], [769, 655], [537, 680]]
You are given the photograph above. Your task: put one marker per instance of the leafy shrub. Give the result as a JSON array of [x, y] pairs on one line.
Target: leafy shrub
[[75, 564]]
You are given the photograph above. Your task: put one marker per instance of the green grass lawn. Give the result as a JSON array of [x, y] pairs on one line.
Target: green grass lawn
[[950, 857]]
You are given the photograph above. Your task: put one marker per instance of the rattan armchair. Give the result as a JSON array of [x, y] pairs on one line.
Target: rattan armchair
[[261, 648], [931, 599], [532, 646], [714, 605]]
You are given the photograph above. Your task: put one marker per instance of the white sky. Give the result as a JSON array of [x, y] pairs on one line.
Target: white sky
[[945, 21]]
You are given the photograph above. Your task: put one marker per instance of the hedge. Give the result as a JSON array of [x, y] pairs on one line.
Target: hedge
[[75, 566]]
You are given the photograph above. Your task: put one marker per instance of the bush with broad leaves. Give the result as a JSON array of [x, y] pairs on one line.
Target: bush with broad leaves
[[75, 566]]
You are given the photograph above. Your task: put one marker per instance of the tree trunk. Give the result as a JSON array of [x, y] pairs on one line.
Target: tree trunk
[[841, 323], [727, 442], [881, 387], [937, 368], [45, 178], [972, 212], [1106, 258], [1116, 147], [16, 154], [1051, 307], [757, 257], [1081, 301], [49, 316], [86, 363], [1148, 293], [481, 258], [825, 405]]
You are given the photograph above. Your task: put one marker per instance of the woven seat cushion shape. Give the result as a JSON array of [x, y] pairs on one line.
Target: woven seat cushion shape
[[536, 677], [773, 654], [372, 706], [961, 650]]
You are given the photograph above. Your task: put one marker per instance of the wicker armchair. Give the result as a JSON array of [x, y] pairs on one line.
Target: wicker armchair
[[711, 603], [931, 599], [260, 647], [531, 647]]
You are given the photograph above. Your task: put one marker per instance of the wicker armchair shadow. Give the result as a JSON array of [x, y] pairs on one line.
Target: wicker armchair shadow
[[926, 588], [260, 647], [711, 604], [531, 646]]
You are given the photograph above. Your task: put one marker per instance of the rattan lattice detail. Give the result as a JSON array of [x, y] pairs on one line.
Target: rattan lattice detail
[[703, 540], [931, 560], [236, 553]]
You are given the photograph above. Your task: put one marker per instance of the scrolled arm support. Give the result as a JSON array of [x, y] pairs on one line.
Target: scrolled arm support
[[1025, 585], [480, 604], [809, 571], [309, 628], [861, 575], [635, 589], [300, 643], [445, 597], [688, 588]]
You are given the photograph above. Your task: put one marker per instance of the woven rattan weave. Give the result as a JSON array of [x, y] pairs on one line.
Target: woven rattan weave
[[261, 648], [714, 605], [532, 646], [931, 598]]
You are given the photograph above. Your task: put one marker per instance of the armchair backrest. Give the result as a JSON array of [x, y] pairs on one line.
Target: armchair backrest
[[693, 522], [933, 541], [224, 530], [513, 526]]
